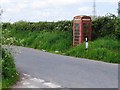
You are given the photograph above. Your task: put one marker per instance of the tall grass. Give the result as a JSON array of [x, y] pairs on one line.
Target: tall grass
[[50, 41], [104, 49]]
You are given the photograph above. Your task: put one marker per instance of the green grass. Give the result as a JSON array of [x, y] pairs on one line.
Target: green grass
[[103, 49], [9, 73], [50, 41]]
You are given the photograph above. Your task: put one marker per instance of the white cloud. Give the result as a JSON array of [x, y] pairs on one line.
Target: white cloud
[[4, 1], [100, 1], [16, 8], [39, 4], [52, 3], [107, 1], [85, 10], [13, 10], [62, 2], [53, 9], [21, 5], [44, 14]]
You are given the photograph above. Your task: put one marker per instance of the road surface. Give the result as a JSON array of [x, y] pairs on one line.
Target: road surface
[[64, 71]]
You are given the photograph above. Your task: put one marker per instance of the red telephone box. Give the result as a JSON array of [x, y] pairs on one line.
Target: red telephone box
[[81, 29]]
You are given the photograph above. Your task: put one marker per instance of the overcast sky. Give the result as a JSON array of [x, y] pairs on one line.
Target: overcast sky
[[53, 10]]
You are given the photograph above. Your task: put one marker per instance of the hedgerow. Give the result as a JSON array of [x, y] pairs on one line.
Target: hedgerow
[[9, 73], [106, 25], [101, 26]]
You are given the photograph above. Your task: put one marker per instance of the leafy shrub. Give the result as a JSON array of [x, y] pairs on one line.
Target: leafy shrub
[[117, 29], [39, 26], [6, 26], [103, 26], [9, 73]]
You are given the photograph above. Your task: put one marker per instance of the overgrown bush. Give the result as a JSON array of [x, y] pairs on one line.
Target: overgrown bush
[[117, 28], [9, 73], [104, 26], [39, 26]]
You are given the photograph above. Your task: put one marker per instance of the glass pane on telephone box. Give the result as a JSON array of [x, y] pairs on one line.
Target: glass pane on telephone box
[[86, 29], [77, 28]]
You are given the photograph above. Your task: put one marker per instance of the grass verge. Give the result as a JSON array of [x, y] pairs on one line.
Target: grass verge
[[103, 49], [9, 73]]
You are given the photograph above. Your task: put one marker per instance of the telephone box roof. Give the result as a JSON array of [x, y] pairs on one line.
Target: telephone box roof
[[82, 16]]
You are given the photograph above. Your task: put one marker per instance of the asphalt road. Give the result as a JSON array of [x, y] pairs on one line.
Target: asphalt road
[[68, 72]]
